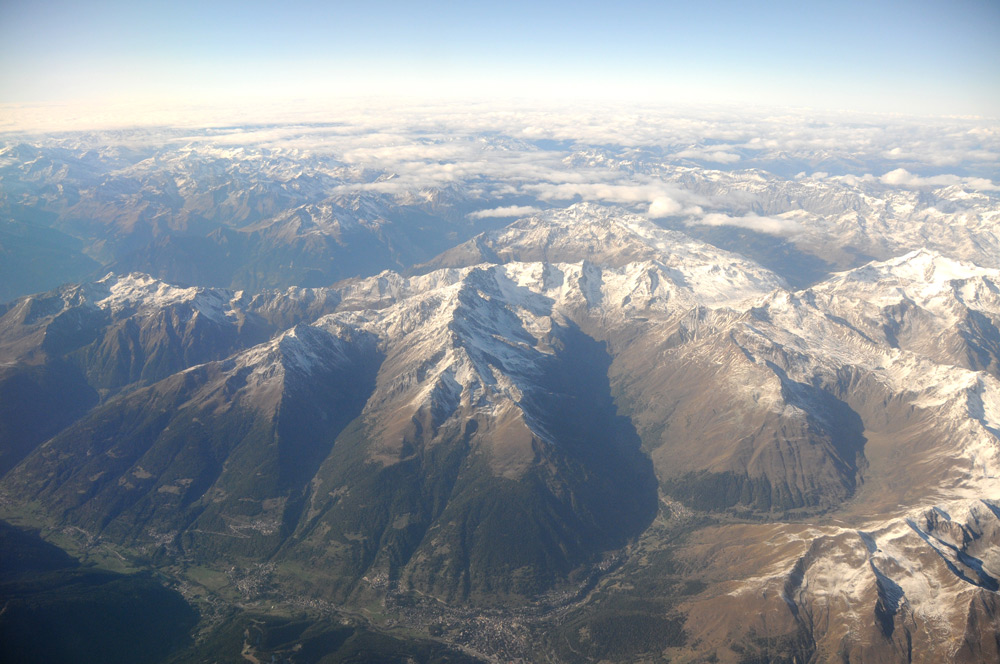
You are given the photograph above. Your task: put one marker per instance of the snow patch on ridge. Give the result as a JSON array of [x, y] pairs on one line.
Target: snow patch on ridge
[[137, 291]]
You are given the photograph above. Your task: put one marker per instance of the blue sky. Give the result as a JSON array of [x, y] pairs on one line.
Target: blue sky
[[909, 57]]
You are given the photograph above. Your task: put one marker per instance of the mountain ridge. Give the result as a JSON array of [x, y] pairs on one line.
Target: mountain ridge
[[495, 429]]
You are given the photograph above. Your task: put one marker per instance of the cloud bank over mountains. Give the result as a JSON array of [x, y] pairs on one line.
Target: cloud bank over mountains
[[524, 159], [903, 178], [507, 212]]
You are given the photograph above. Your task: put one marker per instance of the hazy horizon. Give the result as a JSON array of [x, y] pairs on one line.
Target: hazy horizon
[[917, 58]]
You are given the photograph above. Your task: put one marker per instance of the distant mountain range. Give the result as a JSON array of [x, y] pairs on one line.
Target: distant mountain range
[[761, 432]]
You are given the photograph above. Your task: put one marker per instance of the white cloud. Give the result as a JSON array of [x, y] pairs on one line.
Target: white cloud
[[717, 156], [592, 191], [664, 206], [769, 225], [624, 192], [853, 180], [503, 212], [901, 177], [981, 184], [661, 200]]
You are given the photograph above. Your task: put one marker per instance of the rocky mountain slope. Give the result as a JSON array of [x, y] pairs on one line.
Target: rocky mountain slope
[[489, 430]]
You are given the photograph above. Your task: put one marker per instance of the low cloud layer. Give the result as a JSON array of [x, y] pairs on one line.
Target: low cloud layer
[[510, 211], [541, 157], [901, 177], [716, 156], [769, 225], [382, 132]]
